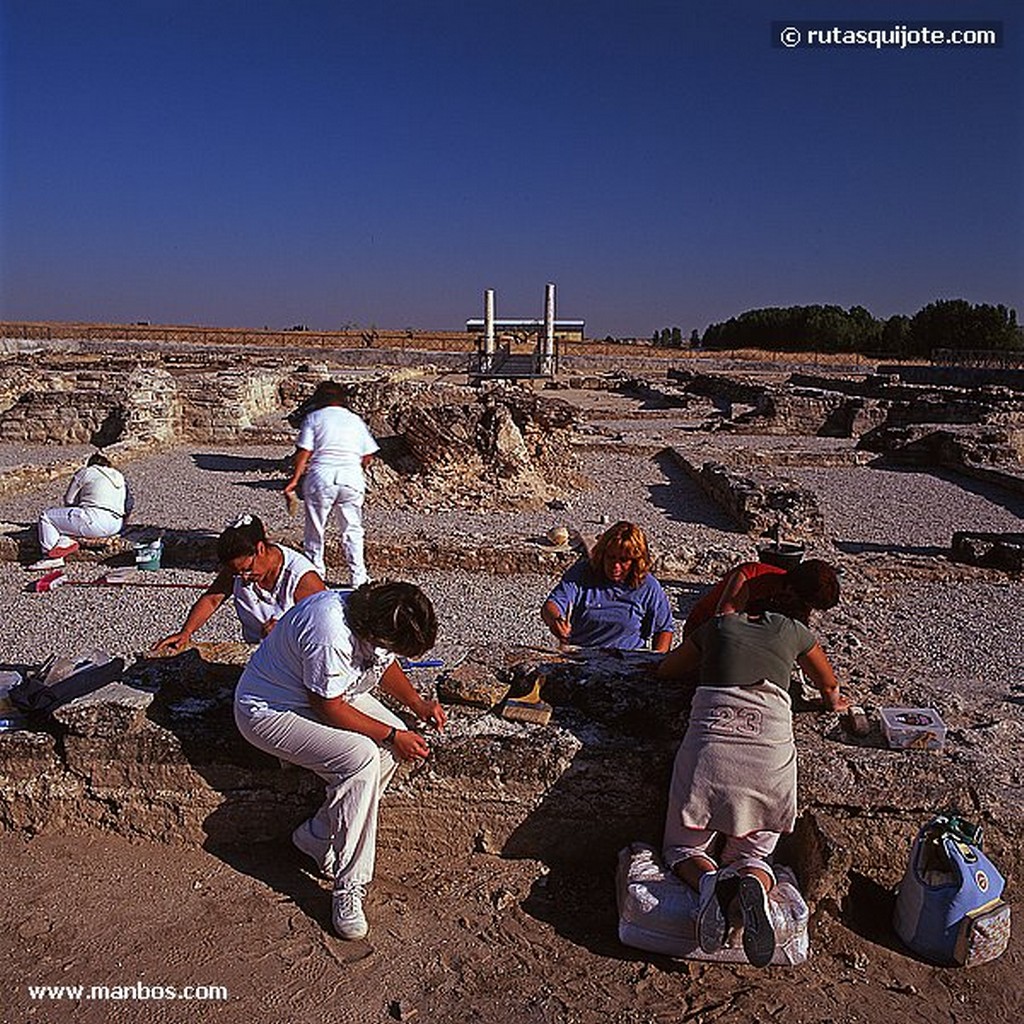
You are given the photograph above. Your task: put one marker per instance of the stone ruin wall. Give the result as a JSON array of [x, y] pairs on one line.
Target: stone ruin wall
[[160, 759], [845, 406], [804, 412], [103, 402], [87, 405], [221, 407], [758, 507]]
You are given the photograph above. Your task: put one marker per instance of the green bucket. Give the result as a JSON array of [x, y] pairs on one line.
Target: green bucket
[[147, 555]]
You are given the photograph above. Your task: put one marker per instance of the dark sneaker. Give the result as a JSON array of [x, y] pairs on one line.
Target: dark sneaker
[[715, 894], [758, 931]]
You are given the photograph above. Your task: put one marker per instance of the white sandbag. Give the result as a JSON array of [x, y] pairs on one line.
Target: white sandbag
[[658, 912]]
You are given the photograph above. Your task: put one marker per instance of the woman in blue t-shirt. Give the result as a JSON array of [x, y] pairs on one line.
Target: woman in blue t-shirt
[[611, 599]]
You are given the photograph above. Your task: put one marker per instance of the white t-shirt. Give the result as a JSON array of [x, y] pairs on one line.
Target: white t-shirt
[[338, 439], [255, 606], [97, 487], [310, 648]]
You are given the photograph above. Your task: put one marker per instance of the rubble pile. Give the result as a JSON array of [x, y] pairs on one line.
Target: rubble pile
[[459, 446]]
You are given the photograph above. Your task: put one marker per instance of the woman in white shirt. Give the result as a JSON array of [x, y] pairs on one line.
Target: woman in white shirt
[[305, 697], [264, 579], [333, 447], [94, 507]]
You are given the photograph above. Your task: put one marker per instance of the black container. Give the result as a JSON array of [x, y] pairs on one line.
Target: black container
[[782, 555]]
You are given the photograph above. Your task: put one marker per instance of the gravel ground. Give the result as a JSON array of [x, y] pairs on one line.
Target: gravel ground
[[206, 487], [893, 509], [43, 454]]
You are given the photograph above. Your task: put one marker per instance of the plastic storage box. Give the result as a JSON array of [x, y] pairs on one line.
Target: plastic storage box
[[913, 728]]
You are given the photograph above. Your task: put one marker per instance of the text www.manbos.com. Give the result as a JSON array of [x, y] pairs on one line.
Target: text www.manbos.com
[[137, 991]]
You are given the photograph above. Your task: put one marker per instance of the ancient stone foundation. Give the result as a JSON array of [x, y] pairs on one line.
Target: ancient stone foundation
[[990, 550], [159, 756], [758, 507]]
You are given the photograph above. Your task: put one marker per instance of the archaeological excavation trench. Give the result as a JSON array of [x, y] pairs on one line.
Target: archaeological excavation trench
[[157, 756]]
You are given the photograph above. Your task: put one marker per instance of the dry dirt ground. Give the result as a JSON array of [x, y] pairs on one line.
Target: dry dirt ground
[[243, 935], [487, 940]]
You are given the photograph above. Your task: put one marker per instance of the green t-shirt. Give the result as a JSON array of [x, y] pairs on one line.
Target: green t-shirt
[[740, 650]]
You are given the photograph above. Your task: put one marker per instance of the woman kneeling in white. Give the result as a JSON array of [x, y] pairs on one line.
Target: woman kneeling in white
[[94, 507], [305, 697]]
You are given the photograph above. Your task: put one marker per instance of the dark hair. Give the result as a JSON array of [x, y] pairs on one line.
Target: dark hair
[[815, 582], [98, 459], [240, 539], [398, 616], [329, 392]]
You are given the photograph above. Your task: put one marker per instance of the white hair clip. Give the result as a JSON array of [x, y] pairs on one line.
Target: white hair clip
[[243, 520]]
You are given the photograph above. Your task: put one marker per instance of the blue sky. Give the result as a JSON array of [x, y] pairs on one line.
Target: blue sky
[[266, 163]]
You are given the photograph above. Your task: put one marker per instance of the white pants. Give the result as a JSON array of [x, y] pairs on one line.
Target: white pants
[[324, 491], [356, 771], [749, 851], [62, 525]]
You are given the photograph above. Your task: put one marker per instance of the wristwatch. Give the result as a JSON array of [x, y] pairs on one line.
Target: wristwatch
[[392, 732]]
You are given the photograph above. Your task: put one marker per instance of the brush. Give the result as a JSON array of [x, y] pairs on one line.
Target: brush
[[855, 721], [528, 708]]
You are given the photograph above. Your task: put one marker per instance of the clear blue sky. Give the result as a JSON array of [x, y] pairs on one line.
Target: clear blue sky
[[269, 162]]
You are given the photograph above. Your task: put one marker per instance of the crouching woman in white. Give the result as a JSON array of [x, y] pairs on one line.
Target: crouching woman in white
[[305, 697], [94, 506], [264, 579]]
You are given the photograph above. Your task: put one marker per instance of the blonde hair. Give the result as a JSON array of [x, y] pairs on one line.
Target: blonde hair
[[630, 540]]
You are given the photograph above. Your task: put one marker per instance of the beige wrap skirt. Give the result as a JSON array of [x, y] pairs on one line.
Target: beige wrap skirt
[[735, 771]]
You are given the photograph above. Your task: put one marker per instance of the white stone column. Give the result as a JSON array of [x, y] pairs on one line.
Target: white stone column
[[489, 344], [547, 356]]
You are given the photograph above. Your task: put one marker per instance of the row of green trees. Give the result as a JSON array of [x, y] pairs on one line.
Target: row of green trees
[[672, 337], [947, 324]]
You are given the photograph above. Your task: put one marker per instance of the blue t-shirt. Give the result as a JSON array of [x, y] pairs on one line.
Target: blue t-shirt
[[606, 614]]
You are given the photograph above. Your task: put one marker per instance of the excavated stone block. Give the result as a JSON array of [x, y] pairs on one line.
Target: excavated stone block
[[759, 506], [111, 711], [990, 550]]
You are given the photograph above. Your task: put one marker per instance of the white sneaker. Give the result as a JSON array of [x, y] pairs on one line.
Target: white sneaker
[[320, 850], [347, 911], [46, 563]]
